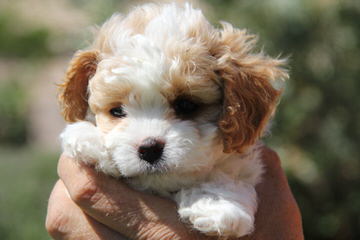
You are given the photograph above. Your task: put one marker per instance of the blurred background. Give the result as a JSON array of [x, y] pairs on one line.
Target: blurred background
[[316, 131]]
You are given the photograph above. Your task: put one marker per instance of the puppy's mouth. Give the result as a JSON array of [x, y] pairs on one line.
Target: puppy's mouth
[[157, 168]]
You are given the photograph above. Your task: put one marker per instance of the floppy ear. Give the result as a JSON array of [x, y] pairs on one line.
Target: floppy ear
[[249, 95], [73, 93]]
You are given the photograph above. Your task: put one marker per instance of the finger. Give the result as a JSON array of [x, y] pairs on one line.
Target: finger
[[278, 214], [65, 220], [135, 214]]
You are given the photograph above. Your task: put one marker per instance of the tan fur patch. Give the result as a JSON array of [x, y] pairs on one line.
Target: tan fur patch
[[105, 122], [249, 97], [73, 91]]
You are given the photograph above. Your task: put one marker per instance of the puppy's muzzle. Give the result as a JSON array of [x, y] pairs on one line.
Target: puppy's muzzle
[[151, 150]]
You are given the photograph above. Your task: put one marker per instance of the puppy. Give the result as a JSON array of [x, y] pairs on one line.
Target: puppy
[[176, 107]]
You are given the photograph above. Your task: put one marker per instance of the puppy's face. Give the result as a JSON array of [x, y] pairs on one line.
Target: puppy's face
[[158, 114], [170, 92]]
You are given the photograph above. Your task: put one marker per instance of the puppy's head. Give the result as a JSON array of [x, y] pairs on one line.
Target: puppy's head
[[170, 92]]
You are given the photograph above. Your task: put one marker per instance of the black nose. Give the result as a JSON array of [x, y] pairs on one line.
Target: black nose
[[151, 150]]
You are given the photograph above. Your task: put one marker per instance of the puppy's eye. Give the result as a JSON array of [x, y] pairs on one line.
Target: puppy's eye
[[118, 112], [185, 107]]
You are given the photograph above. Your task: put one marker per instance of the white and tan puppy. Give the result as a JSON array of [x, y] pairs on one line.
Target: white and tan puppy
[[175, 107]]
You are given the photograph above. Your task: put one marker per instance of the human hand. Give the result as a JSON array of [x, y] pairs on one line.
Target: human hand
[[88, 205]]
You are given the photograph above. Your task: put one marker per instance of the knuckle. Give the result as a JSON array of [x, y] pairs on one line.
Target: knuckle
[[84, 194], [56, 224], [273, 158], [61, 167]]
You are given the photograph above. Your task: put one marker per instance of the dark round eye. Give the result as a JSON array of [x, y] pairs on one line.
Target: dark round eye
[[118, 112], [185, 107]]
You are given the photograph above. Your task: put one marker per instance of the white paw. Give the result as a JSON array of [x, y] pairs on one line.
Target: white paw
[[218, 217], [84, 142]]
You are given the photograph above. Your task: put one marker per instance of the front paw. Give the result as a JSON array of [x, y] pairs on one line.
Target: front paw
[[83, 141], [218, 217]]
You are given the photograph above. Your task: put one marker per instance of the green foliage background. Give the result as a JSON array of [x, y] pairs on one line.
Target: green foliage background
[[316, 131]]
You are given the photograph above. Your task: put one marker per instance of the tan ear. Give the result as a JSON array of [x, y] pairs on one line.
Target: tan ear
[[249, 95], [73, 93]]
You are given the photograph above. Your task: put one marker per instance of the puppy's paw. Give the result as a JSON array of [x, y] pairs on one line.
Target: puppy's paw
[[218, 217], [84, 142]]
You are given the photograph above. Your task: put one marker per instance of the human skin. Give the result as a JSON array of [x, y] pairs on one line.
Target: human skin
[[88, 205]]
